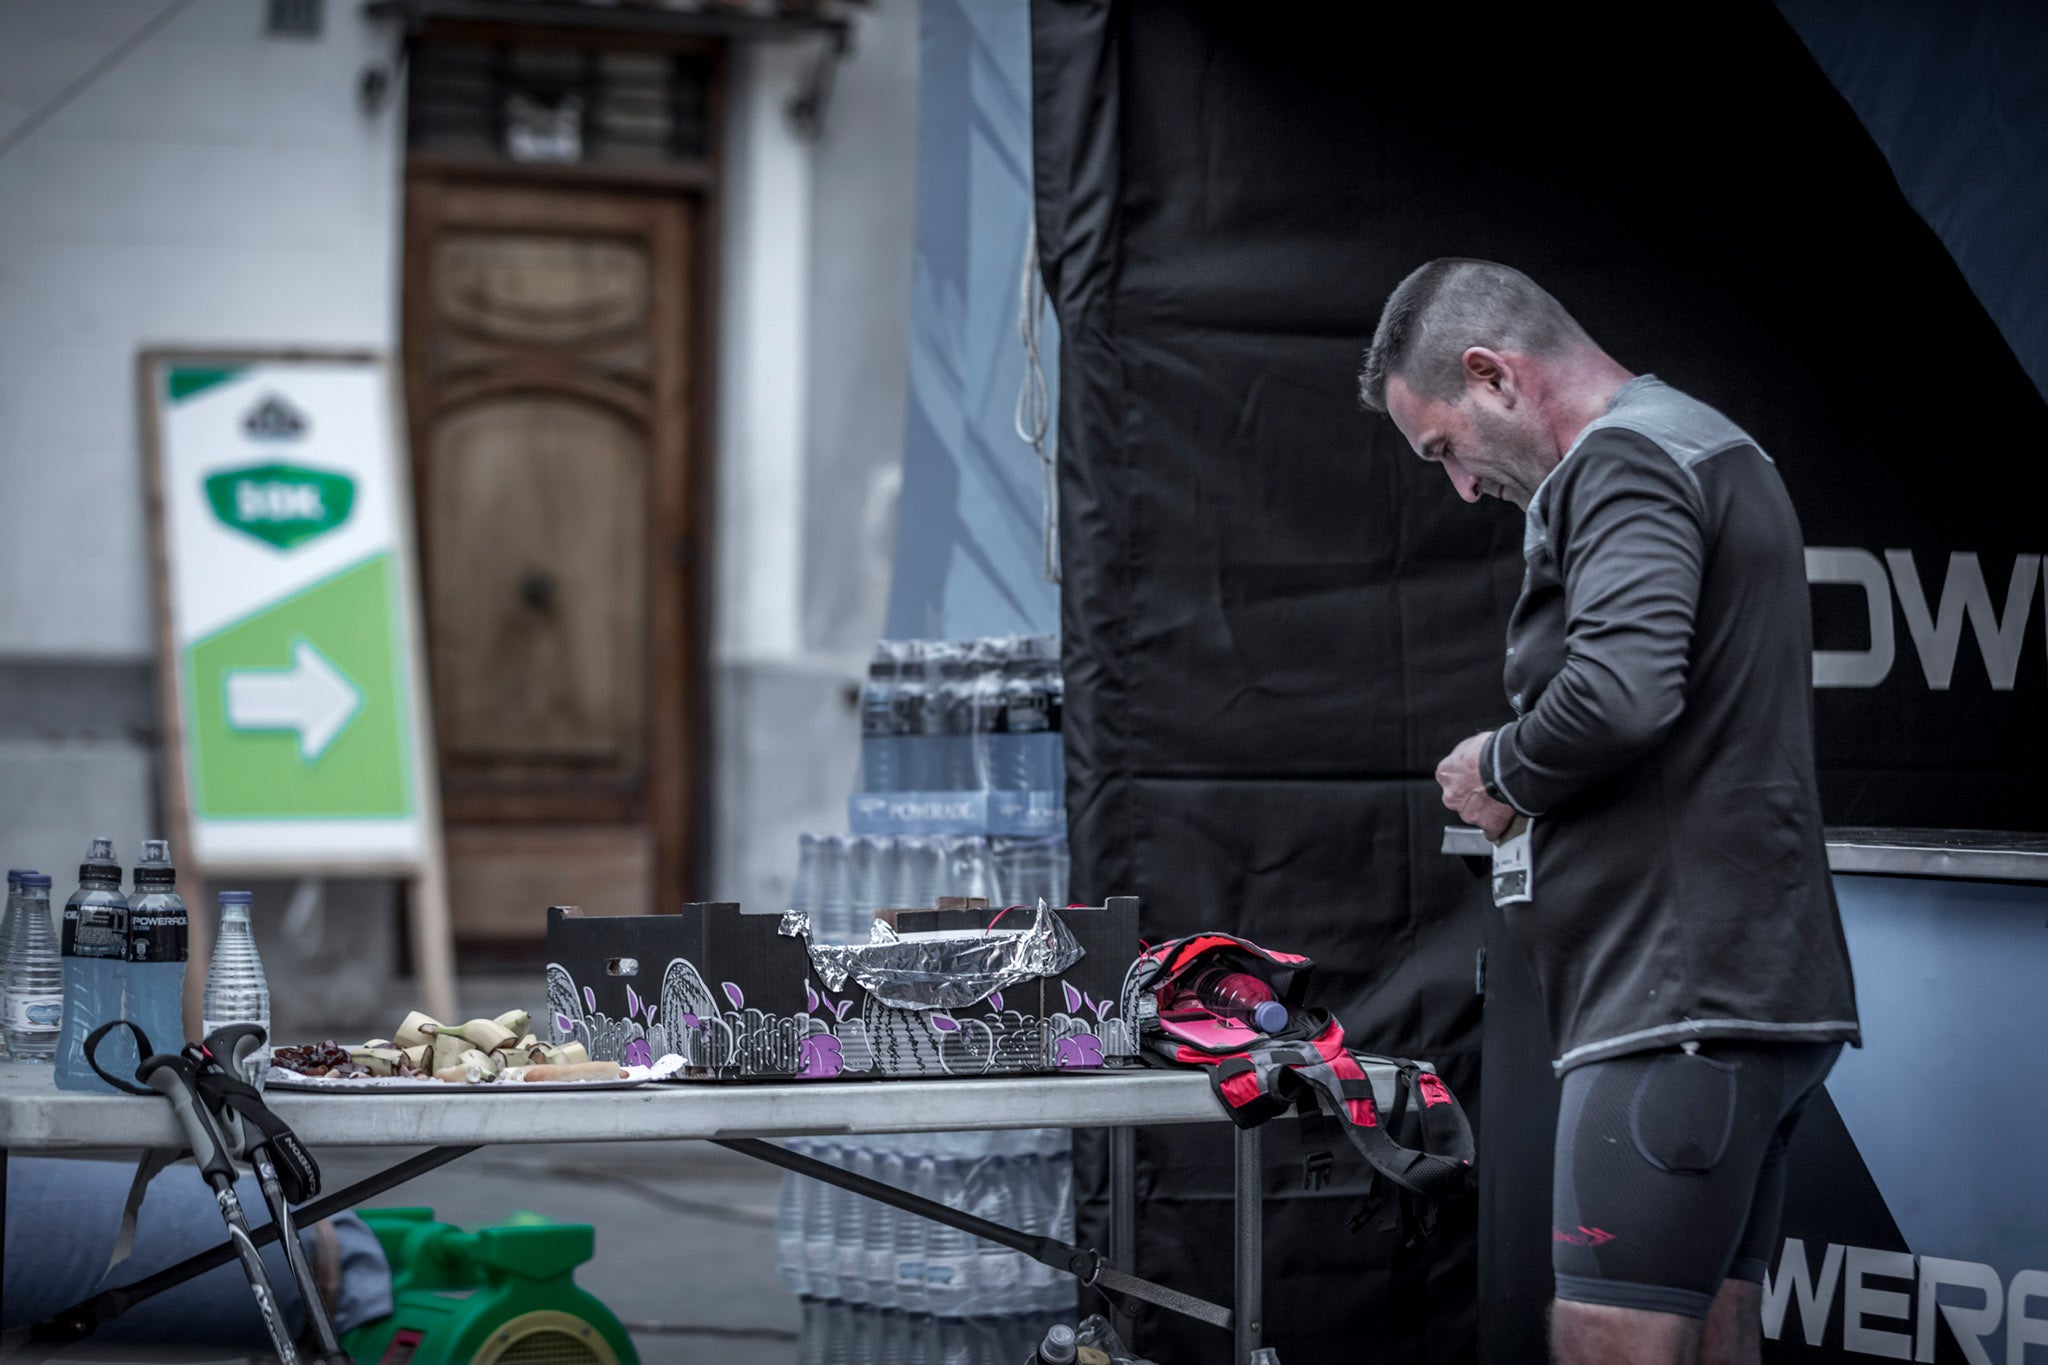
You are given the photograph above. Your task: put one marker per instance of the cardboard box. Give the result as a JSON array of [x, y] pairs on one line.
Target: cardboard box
[[733, 996]]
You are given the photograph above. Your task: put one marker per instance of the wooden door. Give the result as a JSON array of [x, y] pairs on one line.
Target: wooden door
[[549, 337]]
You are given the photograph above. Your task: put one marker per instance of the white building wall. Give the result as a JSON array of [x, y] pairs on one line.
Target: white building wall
[[215, 187]]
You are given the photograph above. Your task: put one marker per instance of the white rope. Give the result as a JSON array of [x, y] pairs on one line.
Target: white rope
[[1034, 404]]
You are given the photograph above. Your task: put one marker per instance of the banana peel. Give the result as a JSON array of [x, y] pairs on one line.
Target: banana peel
[[485, 1035], [514, 1022], [417, 1029]]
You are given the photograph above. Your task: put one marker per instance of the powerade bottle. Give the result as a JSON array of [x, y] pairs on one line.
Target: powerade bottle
[[35, 980], [881, 722], [1027, 717], [158, 931], [913, 721], [95, 952]]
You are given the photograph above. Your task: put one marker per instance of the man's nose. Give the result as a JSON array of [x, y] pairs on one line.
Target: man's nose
[[1466, 483]]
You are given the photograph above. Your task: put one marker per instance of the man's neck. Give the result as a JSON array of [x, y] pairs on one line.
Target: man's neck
[[1579, 390]]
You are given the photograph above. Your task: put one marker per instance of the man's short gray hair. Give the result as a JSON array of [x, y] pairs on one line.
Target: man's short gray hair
[[1444, 308]]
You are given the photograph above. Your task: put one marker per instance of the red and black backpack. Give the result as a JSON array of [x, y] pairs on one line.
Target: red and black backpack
[[1304, 1066]]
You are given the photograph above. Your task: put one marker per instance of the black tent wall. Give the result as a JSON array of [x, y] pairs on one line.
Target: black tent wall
[[1276, 619]]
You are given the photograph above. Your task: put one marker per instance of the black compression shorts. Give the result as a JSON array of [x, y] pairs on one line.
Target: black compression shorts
[[1670, 1173]]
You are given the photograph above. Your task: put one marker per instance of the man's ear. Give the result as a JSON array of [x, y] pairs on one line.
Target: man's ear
[[1490, 370]]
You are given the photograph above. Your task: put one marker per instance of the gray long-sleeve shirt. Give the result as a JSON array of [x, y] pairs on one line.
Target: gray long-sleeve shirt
[[1659, 666]]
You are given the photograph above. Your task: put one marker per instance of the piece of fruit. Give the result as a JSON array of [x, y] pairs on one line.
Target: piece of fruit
[[378, 1061], [419, 1057], [448, 1047], [485, 1035], [418, 1028], [514, 1022], [481, 1061]]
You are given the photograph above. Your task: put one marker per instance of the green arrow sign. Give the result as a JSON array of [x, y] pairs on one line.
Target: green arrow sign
[[299, 709], [282, 504]]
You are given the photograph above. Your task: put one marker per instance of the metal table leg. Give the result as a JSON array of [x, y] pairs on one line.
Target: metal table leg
[[1123, 1214], [1248, 1315]]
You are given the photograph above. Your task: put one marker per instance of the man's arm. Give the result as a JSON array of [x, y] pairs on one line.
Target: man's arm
[[1631, 550]]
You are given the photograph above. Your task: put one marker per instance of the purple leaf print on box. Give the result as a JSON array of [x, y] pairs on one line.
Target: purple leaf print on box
[[1078, 1053], [564, 1024], [639, 1053], [590, 999], [732, 993], [840, 1008], [995, 999], [632, 1003], [692, 1021], [945, 1023], [1073, 997], [650, 1012], [819, 1058], [811, 996], [1103, 1008]]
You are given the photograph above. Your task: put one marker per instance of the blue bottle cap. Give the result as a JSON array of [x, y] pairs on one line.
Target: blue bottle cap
[[235, 898], [1270, 1016], [41, 879], [15, 874]]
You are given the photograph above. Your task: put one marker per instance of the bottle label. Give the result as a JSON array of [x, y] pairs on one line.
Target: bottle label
[[34, 1013], [158, 934], [947, 1272], [95, 931]]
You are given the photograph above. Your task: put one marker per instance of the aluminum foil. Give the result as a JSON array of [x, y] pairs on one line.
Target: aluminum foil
[[940, 971]]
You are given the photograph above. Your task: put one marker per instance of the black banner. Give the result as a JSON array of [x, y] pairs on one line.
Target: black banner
[[1276, 619]]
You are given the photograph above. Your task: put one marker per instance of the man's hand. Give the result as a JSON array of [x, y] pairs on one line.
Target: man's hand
[[1464, 793]]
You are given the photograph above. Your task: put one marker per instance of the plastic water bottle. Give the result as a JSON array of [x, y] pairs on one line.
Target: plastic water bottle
[[991, 1193], [1057, 1347], [789, 1229], [35, 976], [819, 1261], [835, 889], [849, 1227], [7, 922], [872, 857], [878, 1230], [1239, 995], [951, 1257], [913, 1290], [95, 953], [158, 939], [236, 992], [1035, 1216], [881, 733]]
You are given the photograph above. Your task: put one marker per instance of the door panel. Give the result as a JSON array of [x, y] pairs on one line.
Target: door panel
[[548, 355]]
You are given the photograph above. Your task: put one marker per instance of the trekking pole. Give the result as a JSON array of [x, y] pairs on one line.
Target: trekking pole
[[175, 1077], [253, 1131]]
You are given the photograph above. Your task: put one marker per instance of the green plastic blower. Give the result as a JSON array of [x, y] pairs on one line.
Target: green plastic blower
[[497, 1296]]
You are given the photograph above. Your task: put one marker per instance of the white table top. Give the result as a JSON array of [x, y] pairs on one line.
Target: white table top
[[36, 1116]]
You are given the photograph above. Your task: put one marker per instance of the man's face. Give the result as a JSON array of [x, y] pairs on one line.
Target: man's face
[[1489, 444]]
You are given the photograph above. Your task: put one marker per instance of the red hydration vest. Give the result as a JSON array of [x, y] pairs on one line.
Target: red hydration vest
[[1306, 1065]]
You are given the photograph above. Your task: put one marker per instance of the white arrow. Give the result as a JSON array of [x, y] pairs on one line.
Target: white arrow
[[311, 697]]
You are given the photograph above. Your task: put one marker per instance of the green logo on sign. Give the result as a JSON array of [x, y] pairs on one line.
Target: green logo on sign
[[282, 504]]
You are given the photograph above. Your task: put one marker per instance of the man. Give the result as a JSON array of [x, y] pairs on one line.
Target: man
[[1678, 912]]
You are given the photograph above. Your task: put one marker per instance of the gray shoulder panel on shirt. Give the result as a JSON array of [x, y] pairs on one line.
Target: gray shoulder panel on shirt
[[1678, 424]]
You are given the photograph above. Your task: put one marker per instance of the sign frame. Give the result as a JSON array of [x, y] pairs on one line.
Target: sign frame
[[425, 873]]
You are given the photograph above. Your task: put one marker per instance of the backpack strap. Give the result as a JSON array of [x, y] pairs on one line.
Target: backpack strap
[[1442, 1166]]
